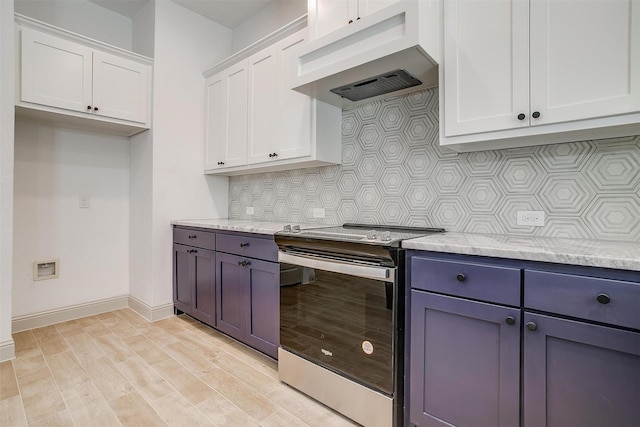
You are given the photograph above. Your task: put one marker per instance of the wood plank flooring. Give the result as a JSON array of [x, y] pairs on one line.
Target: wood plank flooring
[[118, 369]]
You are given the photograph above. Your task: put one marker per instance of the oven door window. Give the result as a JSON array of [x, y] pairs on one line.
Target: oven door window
[[342, 322]]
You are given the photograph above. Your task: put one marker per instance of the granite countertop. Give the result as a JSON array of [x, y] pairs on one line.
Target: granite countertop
[[594, 253], [243, 225]]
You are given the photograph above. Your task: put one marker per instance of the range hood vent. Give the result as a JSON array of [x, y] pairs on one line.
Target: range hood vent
[[377, 85], [353, 63]]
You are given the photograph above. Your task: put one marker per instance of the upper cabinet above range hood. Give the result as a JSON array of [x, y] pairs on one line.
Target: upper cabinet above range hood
[[392, 51]]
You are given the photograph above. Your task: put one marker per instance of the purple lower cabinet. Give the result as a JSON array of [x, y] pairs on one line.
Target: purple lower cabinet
[[194, 282], [263, 315], [579, 374], [204, 304], [248, 301], [465, 362], [230, 295]]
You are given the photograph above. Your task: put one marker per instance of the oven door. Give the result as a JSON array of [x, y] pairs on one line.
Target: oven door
[[340, 315]]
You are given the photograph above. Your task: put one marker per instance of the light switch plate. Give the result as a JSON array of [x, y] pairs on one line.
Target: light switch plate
[[85, 202]]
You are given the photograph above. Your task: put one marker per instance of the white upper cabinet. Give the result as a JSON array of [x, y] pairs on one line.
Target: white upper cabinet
[[255, 122], [326, 16], [279, 118], [585, 59], [63, 77], [226, 118], [486, 65], [520, 72]]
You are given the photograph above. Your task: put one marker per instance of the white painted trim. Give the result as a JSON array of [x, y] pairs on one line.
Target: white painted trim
[[7, 351], [150, 313], [45, 318]]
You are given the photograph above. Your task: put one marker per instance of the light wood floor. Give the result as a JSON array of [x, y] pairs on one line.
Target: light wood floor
[[118, 369]]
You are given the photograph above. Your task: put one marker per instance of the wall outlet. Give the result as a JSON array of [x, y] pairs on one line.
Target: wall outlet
[[250, 210], [85, 202], [530, 218], [318, 212]]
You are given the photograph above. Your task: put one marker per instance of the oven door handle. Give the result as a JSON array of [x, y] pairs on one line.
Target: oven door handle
[[376, 273]]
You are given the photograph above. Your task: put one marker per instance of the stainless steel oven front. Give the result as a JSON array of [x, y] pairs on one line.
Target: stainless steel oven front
[[341, 333]]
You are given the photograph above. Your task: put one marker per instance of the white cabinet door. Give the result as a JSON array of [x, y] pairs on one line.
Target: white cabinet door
[[486, 65], [226, 118], [263, 92], [584, 59], [120, 88], [294, 109], [326, 16], [55, 72]]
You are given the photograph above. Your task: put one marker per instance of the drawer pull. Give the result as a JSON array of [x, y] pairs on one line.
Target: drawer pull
[[192, 251], [532, 326], [603, 299], [461, 277], [510, 320], [192, 236], [244, 263], [244, 245]]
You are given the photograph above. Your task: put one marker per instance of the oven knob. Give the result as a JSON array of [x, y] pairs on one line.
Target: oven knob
[[287, 228], [371, 235], [295, 229], [386, 236]]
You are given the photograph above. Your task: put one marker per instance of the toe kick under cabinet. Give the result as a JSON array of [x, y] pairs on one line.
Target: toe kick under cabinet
[[497, 342], [229, 281]]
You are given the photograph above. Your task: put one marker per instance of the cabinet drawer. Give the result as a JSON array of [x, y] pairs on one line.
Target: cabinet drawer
[[243, 245], [197, 238], [602, 300], [483, 282]]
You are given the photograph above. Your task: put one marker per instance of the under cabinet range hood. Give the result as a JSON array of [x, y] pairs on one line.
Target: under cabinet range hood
[[392, 51]]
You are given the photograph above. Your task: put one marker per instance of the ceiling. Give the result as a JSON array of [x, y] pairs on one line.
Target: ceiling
[[225, 12]]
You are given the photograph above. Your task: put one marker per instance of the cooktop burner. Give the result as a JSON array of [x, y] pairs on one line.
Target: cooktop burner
[[387, 235]]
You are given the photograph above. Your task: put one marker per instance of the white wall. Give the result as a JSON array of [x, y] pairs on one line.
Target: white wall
[[54, 166], [269, 19], [81, 17], [185, 44], [6, 175]]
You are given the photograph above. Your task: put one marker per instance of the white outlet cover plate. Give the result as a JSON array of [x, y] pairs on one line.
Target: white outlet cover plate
[[530, 218]]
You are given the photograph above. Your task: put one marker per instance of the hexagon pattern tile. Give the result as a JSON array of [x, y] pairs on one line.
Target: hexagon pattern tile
[[393, 171]]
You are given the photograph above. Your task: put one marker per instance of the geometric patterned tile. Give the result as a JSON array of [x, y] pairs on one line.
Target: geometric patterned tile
[[393, 170], [481, 163], [369, 136], [610, 215], [562, 194], [564, 157], [393, 116], [484, 224], [569, 227], [482, 195], [521, 175], [448, 177], [611, 169]]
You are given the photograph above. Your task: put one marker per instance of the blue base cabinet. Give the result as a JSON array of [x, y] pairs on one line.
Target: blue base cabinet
[[248, 301], [579, 374], [465, 362], [231, 282], [497, 342]]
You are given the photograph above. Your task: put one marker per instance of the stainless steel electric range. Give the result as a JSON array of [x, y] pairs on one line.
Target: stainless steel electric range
[[342, 299]]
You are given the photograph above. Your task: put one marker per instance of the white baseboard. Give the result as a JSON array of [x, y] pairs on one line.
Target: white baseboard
[[46, 318], [7, 350], [150, 313]]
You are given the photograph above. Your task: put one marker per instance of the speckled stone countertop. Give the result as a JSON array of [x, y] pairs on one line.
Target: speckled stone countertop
[[246, 226], [595, 253]]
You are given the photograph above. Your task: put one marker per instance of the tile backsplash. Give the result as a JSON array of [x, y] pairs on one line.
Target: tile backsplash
[[394, 172]]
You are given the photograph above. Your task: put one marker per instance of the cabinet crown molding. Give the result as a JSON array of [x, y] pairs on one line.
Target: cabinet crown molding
[[264, 42], [26, 21]]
